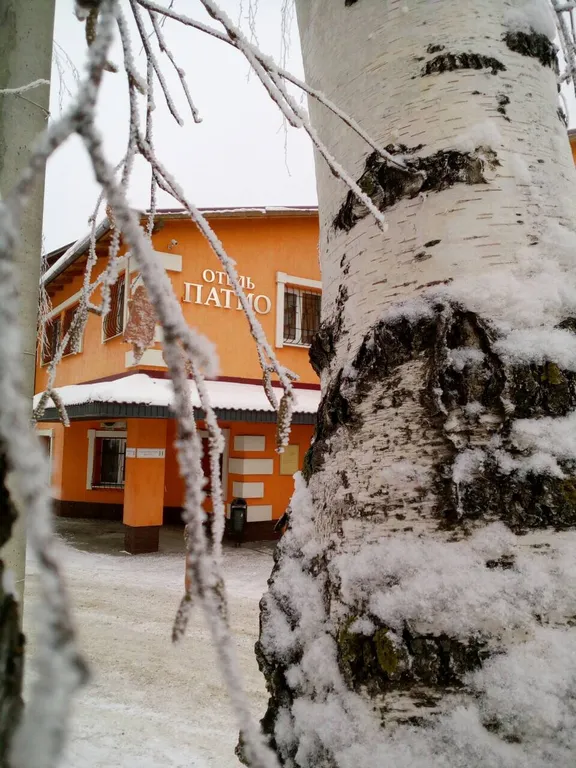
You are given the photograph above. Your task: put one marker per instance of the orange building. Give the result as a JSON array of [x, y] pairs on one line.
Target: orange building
[[117, 459]]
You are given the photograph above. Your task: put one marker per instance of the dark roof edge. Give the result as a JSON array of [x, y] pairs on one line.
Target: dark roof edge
[[90, 411]]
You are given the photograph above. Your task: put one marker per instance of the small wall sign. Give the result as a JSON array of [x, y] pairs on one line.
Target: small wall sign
[[290, 460], [150, 453], [130, 453]]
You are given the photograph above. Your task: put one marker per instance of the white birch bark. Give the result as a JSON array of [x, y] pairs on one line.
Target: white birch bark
[[407, 580]]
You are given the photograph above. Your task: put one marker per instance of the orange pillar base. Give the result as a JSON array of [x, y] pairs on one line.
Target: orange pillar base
[[144, 484]]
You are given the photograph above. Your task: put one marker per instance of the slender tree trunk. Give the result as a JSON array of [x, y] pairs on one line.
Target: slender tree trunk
[[427, 579], [25, 56]]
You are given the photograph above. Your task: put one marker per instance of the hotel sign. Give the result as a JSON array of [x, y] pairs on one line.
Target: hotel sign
[[214, 291]]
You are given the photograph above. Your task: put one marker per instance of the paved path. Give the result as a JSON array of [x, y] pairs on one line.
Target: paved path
[[149, 704]]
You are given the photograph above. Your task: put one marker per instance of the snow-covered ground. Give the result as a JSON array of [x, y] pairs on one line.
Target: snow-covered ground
[[149, 704]]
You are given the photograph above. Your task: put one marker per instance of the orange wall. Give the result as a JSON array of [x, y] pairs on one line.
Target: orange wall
[[261, 247], [144, 482], [69, 462], [277, 488], [97, 359]]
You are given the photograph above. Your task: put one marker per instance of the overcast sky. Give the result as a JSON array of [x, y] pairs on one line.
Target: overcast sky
[[235, 157]]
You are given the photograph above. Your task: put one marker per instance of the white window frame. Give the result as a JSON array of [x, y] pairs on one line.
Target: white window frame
[[92, 435], [127, 287], [284, 281], [49, 433]]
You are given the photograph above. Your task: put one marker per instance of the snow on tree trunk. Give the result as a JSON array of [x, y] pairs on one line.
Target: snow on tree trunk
[[426, 582]]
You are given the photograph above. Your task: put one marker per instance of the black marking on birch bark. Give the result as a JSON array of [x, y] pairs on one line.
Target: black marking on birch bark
[[11, 638], [503, 102], [11, 670], [8, 516], [450, 62], [522, 501], [333, 412], [432, 243], [435, 48], [348, 3], [535, 45], [387, 185], [562, 116]]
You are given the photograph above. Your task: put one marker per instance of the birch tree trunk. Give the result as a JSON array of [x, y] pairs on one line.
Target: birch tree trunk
[[426, 583]]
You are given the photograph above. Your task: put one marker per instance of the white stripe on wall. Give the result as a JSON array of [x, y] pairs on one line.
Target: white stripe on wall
[[256, 513], [248, 490], [249, 443], [251, 466], [259, 512], [150, 357]]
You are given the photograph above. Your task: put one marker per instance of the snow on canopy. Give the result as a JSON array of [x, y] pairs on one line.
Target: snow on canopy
[[140, 389]]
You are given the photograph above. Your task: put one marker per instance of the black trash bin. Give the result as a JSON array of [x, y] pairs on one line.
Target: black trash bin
[[238, 517]]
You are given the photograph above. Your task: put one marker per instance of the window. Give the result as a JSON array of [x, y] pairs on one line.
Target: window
[[301, 315], [298, 301], [51, 339], [67, 318], [113, 324], [109, 462], [54, 331]]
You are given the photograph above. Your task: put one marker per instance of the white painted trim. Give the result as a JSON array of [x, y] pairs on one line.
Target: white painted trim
[[255, 513], [90, 462], [49, 433], [63, 306], [280, 291], [92, 435], [248, 490], [251, 466], [282, 280], [225, 461], [150, 357], [172, 262], [299, 282], [247, 443], [259, 513]]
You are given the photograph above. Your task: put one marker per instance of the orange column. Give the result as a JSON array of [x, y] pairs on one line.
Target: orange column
[[144, 484]]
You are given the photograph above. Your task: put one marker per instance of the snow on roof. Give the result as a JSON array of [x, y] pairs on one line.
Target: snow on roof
[[140, 389]]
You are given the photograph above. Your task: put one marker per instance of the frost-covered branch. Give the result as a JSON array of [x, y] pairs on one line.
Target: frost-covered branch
[[24, 88], [567, 40], [281, 72]]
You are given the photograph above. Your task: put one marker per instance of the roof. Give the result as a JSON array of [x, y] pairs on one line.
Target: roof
[[61, 258], [154, 397]]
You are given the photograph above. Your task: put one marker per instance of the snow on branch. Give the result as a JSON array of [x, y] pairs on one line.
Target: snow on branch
[[24, 88], [283, 73], [566, 29]]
